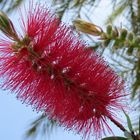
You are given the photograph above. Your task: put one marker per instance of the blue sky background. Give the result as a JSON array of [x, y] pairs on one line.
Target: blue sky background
[[15, 116]]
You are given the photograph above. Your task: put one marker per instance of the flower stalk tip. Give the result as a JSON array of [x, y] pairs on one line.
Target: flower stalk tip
[[87, 27]]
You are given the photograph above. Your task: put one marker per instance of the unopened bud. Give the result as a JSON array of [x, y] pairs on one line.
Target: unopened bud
[[123, 34], [130, 36], [87, 27], [6, 26], [109, 29], [106, 42], [137, 41], [115, 33], [130, 50], [138, 54]]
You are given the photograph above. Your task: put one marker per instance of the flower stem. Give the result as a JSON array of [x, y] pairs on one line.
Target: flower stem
[[119, 125]]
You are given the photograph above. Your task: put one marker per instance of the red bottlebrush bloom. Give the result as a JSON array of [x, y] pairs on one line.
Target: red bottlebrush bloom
[[49, 68]]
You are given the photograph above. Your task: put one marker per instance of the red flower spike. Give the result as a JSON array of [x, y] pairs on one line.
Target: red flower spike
[[50, 69]]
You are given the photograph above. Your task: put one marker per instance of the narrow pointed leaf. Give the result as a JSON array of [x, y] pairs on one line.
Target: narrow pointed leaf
[[128, 122], [139, 125], [114, 138]]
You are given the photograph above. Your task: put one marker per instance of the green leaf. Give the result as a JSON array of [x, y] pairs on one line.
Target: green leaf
[[40, 124], [114, 138], [128, 122], [139, 125], [122, 6], [14, 5]]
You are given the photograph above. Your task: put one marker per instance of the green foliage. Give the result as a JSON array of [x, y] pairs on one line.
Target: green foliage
[[10, 5], [128, 122], [139, 125], [121, 37], [73, 6], [41, 125], [119, 9]]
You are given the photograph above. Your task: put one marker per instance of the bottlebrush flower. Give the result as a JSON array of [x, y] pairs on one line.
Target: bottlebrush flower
[[48, 67]]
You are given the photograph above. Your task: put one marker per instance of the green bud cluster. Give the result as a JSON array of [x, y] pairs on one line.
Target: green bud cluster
[[121, 38]]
